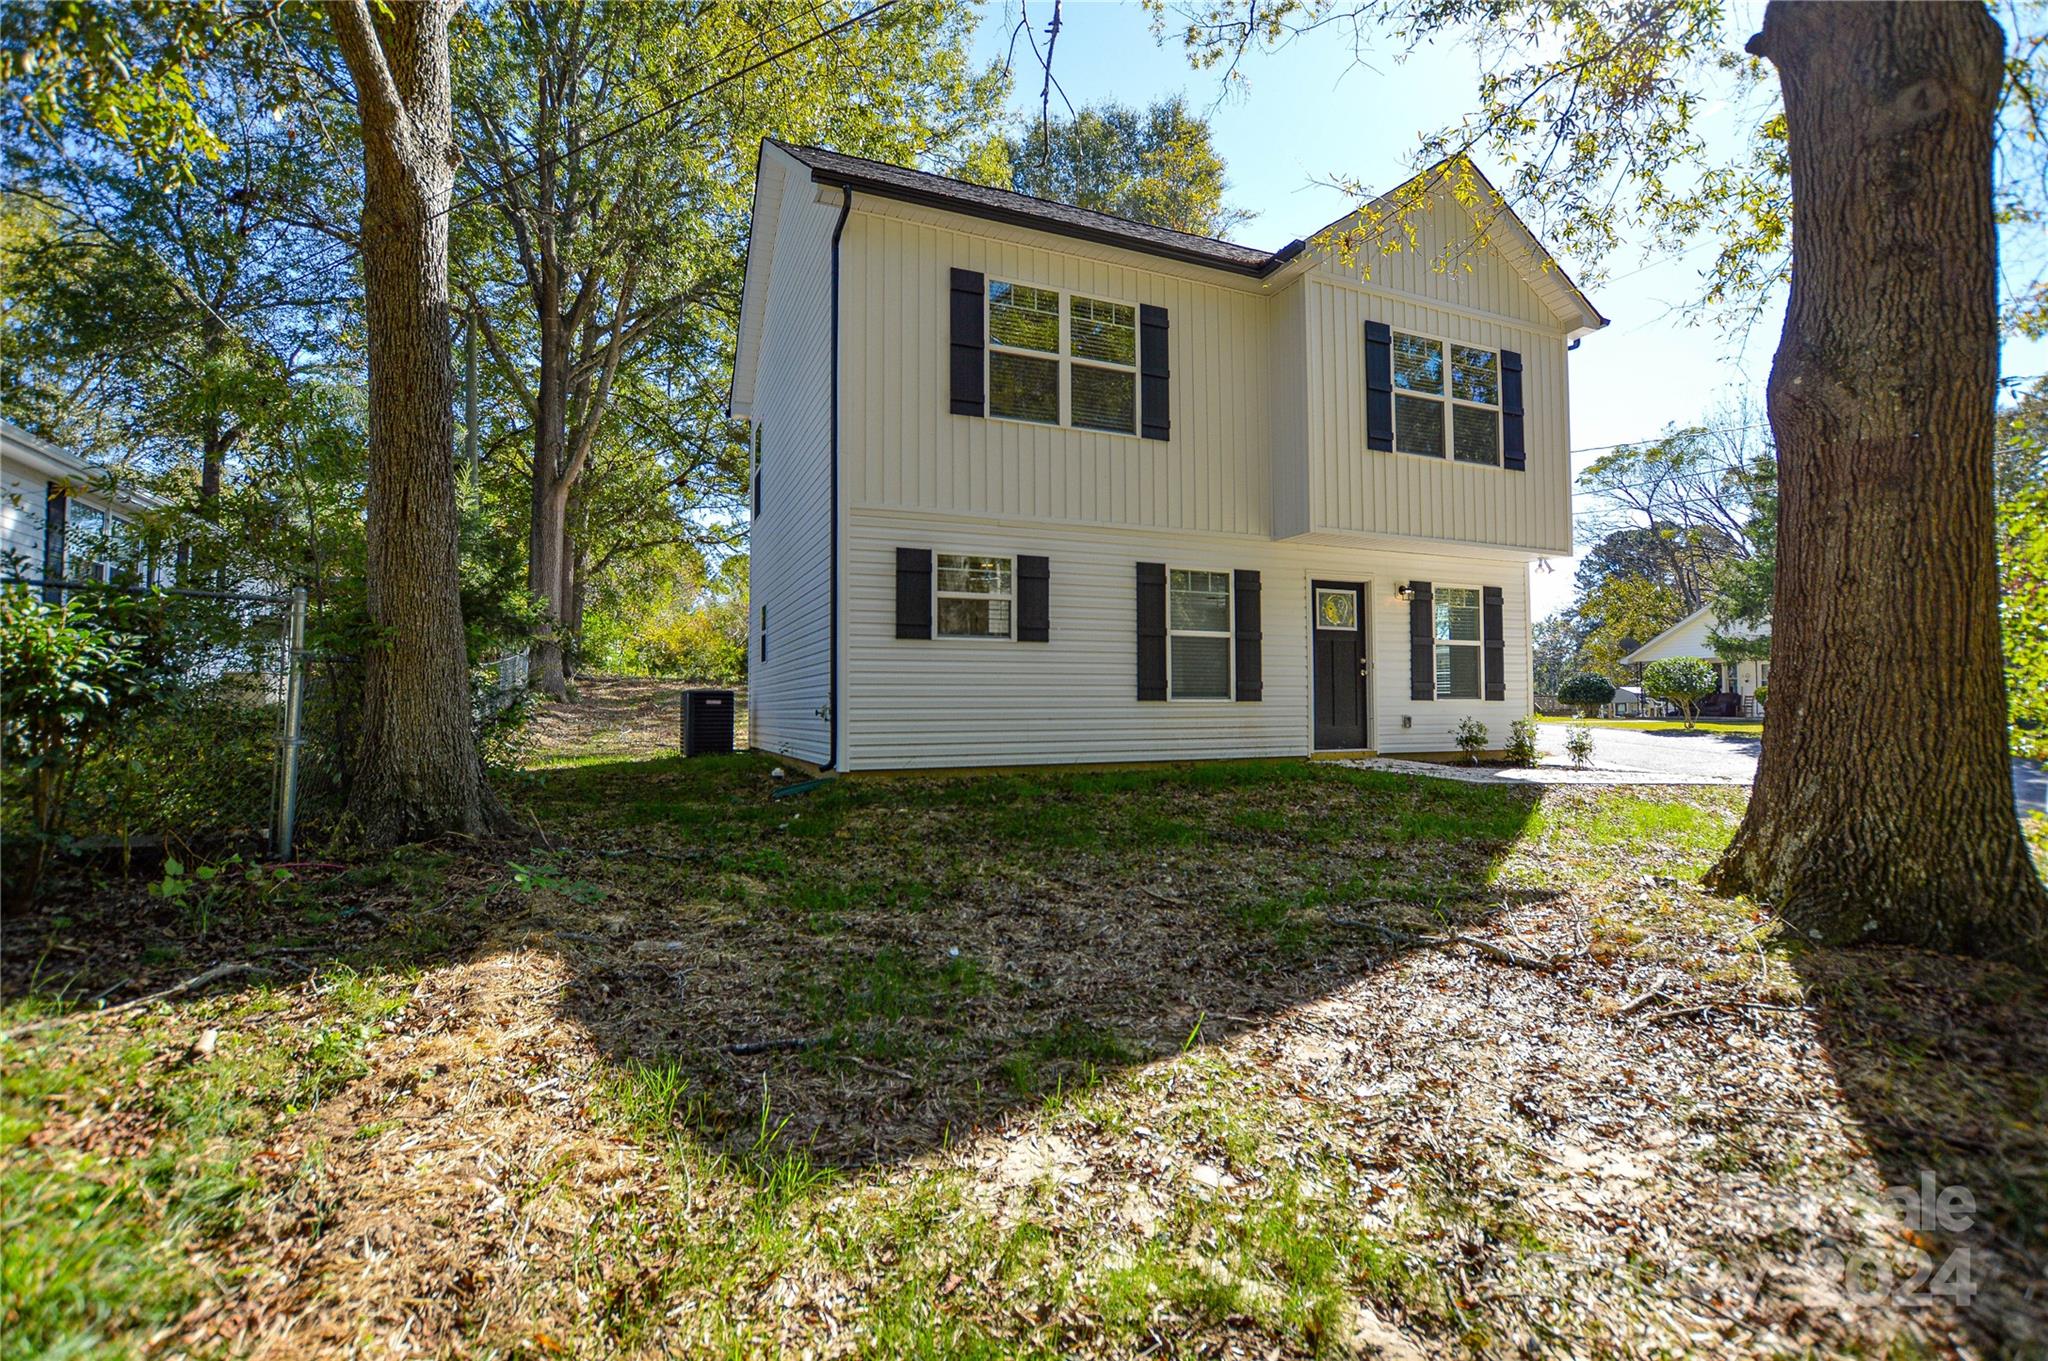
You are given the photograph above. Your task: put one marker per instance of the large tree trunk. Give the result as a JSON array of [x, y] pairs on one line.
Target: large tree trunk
[[416, 772], [1883, 808]]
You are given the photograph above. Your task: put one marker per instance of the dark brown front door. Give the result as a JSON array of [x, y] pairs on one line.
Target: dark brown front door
[[1337, 610]]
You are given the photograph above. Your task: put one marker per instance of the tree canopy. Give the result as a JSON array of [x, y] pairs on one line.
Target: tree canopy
[[1155, 165]]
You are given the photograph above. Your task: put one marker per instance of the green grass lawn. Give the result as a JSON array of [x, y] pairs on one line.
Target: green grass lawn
[[1167, 1061], [1753, 726]]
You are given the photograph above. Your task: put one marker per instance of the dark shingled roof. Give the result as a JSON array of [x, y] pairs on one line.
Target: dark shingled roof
[[1001, 205]]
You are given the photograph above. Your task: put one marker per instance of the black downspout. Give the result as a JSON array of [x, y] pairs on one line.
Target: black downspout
[[832, 702]]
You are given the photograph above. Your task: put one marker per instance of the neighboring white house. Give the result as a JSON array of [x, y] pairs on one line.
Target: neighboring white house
[[62, 518], [1038, 484], [1735, 682]]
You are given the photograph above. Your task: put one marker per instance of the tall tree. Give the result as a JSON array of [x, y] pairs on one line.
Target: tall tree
[[1859, 828], [612, 247], [1155, 165], [417, 773]]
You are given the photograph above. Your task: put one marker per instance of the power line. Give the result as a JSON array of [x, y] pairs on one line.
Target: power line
[[352, 248]]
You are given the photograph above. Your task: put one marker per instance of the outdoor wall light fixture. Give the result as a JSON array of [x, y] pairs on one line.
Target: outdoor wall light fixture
[[1405, 591]]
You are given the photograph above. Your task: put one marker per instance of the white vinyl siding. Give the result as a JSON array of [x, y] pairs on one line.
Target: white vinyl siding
[[789, 568], [903, 448], [911, 703], [1236, 355]]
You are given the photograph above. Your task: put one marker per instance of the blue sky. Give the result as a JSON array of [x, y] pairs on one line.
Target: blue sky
[[1311, 113]]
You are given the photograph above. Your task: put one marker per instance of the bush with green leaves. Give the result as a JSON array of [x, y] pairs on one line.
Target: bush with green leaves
[[1578, 744], [75, 673], [1470, 735], [1521, 748], [1760, 701], [1683, 681], [1586, 692]]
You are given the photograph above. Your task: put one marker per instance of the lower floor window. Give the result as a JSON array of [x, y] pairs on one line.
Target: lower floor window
[[1457, 642], [1198, 634], [975, 595]]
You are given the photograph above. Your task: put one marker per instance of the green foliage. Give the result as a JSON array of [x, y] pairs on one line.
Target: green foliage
[[126, 70], [1153, 165], [1599, 115], [671, 615], [1578, 745], [74, 674], [1555, 646], [1679, 680], [1470, 735], [1586, 691], [1521, 745], [2021, 477]]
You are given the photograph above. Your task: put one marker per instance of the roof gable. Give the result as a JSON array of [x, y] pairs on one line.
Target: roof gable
[[1450, 219], [1688, 637]]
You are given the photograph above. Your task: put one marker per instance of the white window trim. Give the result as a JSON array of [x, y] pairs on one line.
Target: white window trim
[[1065, 360], [938, 634], [1478, 644], [1447, 454], [1229, 634]]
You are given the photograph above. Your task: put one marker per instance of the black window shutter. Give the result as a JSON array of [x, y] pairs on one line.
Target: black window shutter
[[764, 633], [1512, 452], [759, 448], [1379, 385], [1251, 683], [913, 593], [1421, 641], [1152, 630], [1153, 372], [968, 399], [1495, 646], [56, 509], [1034, 599]]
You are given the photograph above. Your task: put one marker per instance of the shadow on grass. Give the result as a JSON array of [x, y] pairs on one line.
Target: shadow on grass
[[881, 965], [1943, 1063]]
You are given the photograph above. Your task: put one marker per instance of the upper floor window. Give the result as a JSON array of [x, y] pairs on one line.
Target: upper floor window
[[976, 595], [1198, 634], [1446, 395], [1062, 359], [1458, 642]]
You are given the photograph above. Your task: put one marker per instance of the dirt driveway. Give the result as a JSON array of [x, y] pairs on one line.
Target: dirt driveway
[[618, 716]]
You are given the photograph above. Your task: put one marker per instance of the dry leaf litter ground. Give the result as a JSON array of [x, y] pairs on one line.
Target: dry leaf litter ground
[[1255, 1060]]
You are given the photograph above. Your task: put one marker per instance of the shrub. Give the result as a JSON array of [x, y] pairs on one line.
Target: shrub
[[1578, 744], [1760, 695], [1521, 747], [1470, 735], [1586, 692], [1681, 681], [74, 674]]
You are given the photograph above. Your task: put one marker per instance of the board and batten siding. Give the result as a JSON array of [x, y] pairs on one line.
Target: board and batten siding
[[974, 702], [1375, 491], [902, 448], [789, 568], [1267, 394]]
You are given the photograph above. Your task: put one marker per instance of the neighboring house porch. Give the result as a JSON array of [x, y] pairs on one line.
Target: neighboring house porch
[[1736, 682]]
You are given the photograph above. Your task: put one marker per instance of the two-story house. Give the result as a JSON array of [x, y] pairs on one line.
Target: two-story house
[[1037, 484]]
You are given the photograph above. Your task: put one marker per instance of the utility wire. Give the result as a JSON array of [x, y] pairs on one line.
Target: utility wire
[[669, 106]]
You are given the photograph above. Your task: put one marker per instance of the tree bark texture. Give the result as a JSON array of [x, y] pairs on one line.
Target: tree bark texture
[[1883, 808], [417, 773]]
